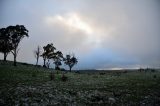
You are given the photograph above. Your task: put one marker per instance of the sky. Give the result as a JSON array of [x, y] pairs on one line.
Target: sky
[[102, 34]]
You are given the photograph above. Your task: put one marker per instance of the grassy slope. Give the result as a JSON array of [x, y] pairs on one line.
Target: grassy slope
[[27, 84]]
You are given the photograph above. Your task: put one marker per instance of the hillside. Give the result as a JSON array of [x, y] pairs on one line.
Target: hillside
[[29, 85]]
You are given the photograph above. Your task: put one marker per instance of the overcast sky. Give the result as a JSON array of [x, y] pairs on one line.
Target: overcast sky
[[103, 34]]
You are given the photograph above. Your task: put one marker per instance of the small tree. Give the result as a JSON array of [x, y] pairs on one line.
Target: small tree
[[57, 58], [5, 43], [70, 60], [37, 53], [47, 53]]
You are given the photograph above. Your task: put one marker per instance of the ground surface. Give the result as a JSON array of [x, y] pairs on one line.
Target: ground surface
[[27, 85]]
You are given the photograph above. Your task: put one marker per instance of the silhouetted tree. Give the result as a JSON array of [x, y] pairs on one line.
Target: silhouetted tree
[[57, 58], [48, 51], [44, 55], [5, 43], [37, 53], [70, 60], [16, 33]]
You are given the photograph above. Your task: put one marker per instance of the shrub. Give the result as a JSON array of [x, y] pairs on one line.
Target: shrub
[[141, 70], [34, 74], [154, 76], [125, 71], [64, 78], [101, 73], [39, 66], [77, 72], [57, 68], [25, 64], [44, 66], [52, 76], [62, 69], [153, 70]]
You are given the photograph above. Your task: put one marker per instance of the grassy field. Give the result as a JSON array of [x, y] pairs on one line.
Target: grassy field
[[27, 85]]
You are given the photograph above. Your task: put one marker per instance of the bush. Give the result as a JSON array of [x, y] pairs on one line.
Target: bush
[[44, 66], [39, 66], [64, 78], [34, 74], [52, 76], [62, 69], [57, 68], [154, 76], [101, 73], [153, 70], [77, 72], [25, 64]]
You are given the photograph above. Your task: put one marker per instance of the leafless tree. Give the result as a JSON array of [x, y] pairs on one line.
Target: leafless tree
[[37, 54]]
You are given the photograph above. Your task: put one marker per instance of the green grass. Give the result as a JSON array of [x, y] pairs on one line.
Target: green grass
[[22, 73], [27, 84]]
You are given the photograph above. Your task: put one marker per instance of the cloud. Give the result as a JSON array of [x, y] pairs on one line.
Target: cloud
[[72, 21], [102, 34], [135, 28]]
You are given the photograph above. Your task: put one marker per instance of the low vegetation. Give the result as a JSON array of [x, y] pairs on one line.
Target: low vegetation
[[37, 86]]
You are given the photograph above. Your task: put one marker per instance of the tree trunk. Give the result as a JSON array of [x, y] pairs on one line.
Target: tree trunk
[[5, 56], [37, 61], [15, 62], [57, 67], [70, 69], [48, 63], [15, 56], [44, 62]]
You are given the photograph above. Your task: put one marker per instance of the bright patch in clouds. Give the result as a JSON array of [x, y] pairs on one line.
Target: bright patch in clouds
[[72, 21]]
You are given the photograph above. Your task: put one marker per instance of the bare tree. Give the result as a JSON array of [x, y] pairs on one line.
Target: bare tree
[[37, 54]]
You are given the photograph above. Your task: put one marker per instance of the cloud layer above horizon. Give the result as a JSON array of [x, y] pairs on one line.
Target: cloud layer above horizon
[[103, 34]]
